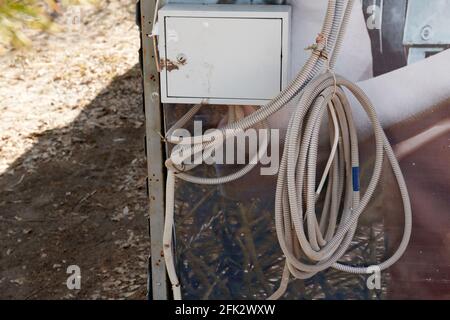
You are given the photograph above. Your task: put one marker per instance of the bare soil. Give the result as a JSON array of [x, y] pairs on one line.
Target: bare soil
[[72, 163]]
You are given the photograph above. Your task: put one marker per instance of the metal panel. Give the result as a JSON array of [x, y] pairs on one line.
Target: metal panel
[[155, 153], [427, 23], [214, 62], [207, 56], [418, 54]]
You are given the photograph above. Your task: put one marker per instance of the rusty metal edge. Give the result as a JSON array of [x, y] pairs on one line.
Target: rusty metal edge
[[155, 154]]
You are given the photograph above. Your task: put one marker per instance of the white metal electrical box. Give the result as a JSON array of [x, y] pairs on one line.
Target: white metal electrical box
[[223, 54]]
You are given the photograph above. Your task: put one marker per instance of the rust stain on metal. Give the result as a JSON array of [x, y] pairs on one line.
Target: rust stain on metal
[[172, 65]]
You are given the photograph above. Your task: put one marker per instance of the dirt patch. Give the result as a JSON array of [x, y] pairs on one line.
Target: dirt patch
[[72, 169]]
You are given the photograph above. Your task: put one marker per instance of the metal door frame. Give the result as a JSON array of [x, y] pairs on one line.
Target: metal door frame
[[155, 150]]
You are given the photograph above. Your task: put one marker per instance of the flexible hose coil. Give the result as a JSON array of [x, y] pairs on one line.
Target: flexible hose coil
[[301, 235]]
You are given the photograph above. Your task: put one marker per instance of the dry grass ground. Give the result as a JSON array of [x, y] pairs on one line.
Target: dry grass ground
[[72, 165]]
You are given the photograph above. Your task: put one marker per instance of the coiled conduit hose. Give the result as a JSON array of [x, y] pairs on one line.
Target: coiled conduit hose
[[324, 242]]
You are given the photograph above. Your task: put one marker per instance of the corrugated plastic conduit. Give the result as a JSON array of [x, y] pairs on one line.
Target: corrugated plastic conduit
[[302, 237]]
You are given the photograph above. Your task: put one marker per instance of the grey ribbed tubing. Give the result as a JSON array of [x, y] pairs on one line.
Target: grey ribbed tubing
[[311, 69], [310, 244], [324, 243]]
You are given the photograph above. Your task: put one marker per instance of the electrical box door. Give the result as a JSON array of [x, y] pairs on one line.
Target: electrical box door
[[211, 54]]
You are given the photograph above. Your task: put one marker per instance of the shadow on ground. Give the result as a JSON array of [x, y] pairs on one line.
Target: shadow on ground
[[77, 197]]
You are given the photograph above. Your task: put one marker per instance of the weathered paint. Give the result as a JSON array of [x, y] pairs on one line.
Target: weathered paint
[[155, 154]]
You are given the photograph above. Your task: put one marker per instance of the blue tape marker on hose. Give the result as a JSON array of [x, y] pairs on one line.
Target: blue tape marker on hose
[[355, 173]]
